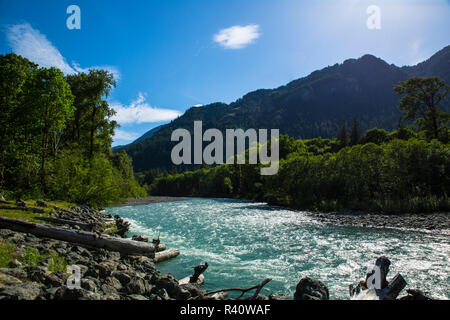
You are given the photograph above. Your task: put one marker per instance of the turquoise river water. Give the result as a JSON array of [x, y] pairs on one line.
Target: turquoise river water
[[246, 242]]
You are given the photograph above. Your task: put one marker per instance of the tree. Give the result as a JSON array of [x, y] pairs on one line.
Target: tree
[[375, 135], [91, 127], [420, 100], [15, 78], [354, 133], [342, 136], [52, 108]]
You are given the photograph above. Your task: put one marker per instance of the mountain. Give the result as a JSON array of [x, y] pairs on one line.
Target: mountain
[[146, 135], [313, 106]]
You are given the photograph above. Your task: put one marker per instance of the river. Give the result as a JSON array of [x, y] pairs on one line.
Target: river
[[246, 242]]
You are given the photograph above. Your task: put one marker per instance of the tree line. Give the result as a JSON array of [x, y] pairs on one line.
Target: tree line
[[56, 135], [406, 170]]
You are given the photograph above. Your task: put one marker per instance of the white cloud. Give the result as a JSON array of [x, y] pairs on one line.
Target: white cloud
[[237, 37], [125, 135], [33, 45], [141, 112]]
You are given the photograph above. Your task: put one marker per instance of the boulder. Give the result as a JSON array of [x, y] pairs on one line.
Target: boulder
[[310, 289], [123, 277], [194, 289], [414, 295], [170, 284], [21, 291], [137, 286]]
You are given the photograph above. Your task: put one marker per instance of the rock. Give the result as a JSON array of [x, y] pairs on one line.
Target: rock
[[136, 297], [170, 284], [108, 290], [106, 268], [14, 272], [15, 264], [37, 273], [113, 282], [415, 295], [278, 296], [122, 276], [194, 289], [137, 286], [50, 293], [53, 280], [88, 285], [7, 280], [161, 293], [309, 289], [64, 293], [21, 291]]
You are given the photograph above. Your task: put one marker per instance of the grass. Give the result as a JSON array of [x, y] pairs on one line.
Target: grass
[[32, 256], [7, 253], [31, 216], [57, 263], [110, 228]]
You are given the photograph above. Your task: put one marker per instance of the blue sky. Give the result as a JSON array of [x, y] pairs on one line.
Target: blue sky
[[169, 55]]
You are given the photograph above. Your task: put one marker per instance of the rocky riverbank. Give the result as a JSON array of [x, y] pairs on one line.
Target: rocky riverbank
[[35, 268], [419, 222]]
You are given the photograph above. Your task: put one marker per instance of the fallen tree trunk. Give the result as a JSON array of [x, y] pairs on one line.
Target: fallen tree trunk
[[243, 291], [160, 247], [83, 226], [35, 210], [166, 255], [124, 246]]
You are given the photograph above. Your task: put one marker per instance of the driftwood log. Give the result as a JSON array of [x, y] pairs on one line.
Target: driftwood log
[[81, 225], [124, 246], [166, 255], [31, 209], [375, 286], [198, 270], [243, 291]]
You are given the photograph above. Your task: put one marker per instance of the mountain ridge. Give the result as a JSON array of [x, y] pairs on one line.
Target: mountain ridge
[[308, 107]]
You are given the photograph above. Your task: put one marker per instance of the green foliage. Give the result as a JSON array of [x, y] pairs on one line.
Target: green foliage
[[56, 136], [32, 256], [375, 135], [389, 174], [420, 100], [6, 253], [56, 263]]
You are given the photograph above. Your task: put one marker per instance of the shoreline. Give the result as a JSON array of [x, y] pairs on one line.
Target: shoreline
[[149, 200], [436, 221]]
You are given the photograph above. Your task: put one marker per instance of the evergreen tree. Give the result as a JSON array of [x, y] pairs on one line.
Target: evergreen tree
[[342, 138], [354, 133]]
